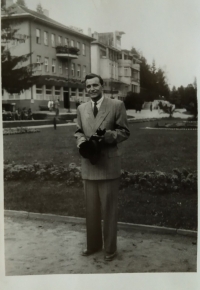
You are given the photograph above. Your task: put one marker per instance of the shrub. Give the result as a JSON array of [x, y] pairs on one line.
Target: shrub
[[19, 130], [155, 182]]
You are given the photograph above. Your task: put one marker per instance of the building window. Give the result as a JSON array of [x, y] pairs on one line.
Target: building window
[[73, 92], [39, 92], [38, 61], [53, 40], [66, 41], [38, 36], [102, 53], [48, 90], [84, 71], [46, 64], [72, 69], [83, 49], [60, 68], [59, 40], [66, 69], [126, 71], [78, 71], [53, 65], [57, 91], [46, 42], [80, 93], [72, 43], [78, 45]]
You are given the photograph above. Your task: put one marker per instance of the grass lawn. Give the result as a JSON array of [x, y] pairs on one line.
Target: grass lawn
[[145, 150], [176, 210]]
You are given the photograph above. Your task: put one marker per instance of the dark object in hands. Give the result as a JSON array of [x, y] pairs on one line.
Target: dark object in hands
[[91, 149]]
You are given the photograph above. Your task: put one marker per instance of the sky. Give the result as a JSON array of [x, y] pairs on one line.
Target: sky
[[167, 31]]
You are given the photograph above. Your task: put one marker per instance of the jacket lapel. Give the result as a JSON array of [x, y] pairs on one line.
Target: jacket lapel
[[102, 113], [89, 115]]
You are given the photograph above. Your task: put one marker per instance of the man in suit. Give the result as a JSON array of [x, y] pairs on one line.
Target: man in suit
[[101, 180]]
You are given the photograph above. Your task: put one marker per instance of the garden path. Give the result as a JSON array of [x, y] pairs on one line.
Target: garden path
[[36, 247]]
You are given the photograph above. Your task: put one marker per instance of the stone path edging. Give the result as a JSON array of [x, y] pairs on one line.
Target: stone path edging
[[121, 225]]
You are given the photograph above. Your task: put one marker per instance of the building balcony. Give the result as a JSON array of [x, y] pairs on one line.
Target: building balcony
[[135, 79], [125, 62], [66, 52], [136, 66]]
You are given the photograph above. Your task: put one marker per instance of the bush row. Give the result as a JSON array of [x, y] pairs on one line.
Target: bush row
[[161, 182], [157, 181], [19, 130]]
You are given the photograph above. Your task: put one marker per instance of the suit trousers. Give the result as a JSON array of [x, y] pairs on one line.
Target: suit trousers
[[101, 202]]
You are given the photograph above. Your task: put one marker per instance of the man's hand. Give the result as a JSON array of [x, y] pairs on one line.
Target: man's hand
[[97, 137], [110, 137]]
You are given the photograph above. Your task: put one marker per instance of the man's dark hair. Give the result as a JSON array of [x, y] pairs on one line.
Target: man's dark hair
[[91, 76]]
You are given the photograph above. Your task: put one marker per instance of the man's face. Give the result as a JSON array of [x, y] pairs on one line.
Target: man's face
[[94, 88]]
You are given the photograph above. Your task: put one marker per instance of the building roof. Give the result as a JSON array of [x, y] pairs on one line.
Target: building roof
[[105, 46], [21, 11]]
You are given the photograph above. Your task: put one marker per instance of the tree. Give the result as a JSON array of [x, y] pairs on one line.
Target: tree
[[3, 3], [133, 101], [16, 73], [21, 3], [160, 84], [153, 82], [39, 9]]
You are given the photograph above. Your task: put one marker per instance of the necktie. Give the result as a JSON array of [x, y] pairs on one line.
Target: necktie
[[95, 109]]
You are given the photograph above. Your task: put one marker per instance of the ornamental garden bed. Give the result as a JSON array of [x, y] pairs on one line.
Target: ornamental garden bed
[[151, 191], [178, 125], [155, 198], [19, 130]]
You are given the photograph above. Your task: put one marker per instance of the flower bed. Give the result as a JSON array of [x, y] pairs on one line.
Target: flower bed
[[156, 182], [178, 125], [161, 182], [19, 130]]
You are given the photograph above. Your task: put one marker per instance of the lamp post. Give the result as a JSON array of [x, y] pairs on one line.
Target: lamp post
[[68, 82]]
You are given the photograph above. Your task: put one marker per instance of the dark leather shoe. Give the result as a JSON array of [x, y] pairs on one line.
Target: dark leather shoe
[[87, 252], [110, 257]]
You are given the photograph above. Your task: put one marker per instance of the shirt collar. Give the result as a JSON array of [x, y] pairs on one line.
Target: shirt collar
[[99, 101]]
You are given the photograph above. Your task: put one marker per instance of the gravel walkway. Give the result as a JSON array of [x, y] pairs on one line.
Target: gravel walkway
[[35, 247]]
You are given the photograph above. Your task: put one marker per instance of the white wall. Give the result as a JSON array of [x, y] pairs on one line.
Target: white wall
[[95, 59]]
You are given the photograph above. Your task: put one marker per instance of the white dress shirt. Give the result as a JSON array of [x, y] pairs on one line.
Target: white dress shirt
[[99, 102]]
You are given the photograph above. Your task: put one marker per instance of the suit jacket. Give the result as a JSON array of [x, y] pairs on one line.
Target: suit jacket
[[112, 117]]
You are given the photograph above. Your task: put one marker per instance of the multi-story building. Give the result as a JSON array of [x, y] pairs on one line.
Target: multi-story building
[[119, 68], [62, 56], [129, 70]]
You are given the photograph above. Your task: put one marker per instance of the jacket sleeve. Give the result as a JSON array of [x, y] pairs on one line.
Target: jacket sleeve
[[121, 131], [79, 134]]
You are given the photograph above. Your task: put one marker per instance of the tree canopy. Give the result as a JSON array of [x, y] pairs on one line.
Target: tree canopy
[[16, 73], [152, 79], [21, 3]]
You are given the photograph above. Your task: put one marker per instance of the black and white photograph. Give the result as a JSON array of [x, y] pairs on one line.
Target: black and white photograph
[[99, 143]]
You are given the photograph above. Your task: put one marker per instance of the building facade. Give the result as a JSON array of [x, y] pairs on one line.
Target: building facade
[[129, 70], [62, 58], [119, 68]]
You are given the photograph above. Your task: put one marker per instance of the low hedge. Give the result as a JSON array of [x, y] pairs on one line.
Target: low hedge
[[156, 182], [19, 130]]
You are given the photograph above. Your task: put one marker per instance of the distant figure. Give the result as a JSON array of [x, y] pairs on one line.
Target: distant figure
[[151, 107], [50, 105], [56, 106], [30, 115]]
